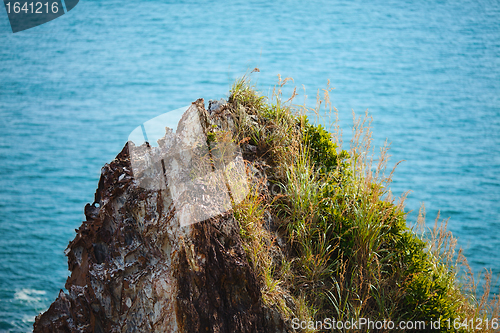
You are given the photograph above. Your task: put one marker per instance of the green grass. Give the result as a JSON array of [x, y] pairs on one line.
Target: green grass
[[348, 250]]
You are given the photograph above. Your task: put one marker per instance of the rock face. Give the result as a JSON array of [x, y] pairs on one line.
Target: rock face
[[136, 269]]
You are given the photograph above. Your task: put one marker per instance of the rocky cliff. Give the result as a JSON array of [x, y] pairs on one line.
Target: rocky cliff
[[249, 218], [136, 268]]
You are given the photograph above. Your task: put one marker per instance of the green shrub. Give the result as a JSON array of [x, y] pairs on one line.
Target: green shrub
[[428, 285], [322, 151]]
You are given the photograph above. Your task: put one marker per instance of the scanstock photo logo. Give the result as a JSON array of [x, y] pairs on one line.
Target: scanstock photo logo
[[205, 175], [28, 14]]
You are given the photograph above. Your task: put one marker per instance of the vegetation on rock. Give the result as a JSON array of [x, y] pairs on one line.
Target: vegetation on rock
[[325, 235]]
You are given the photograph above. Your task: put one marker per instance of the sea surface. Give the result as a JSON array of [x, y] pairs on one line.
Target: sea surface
[[73, 89]]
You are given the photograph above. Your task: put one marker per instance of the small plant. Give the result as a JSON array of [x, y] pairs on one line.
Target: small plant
[[243, 94]]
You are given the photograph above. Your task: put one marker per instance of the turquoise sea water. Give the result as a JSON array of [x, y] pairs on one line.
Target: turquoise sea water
[[73, 89]]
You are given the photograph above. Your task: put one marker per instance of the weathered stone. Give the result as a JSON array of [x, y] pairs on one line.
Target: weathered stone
[[136, 269]]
